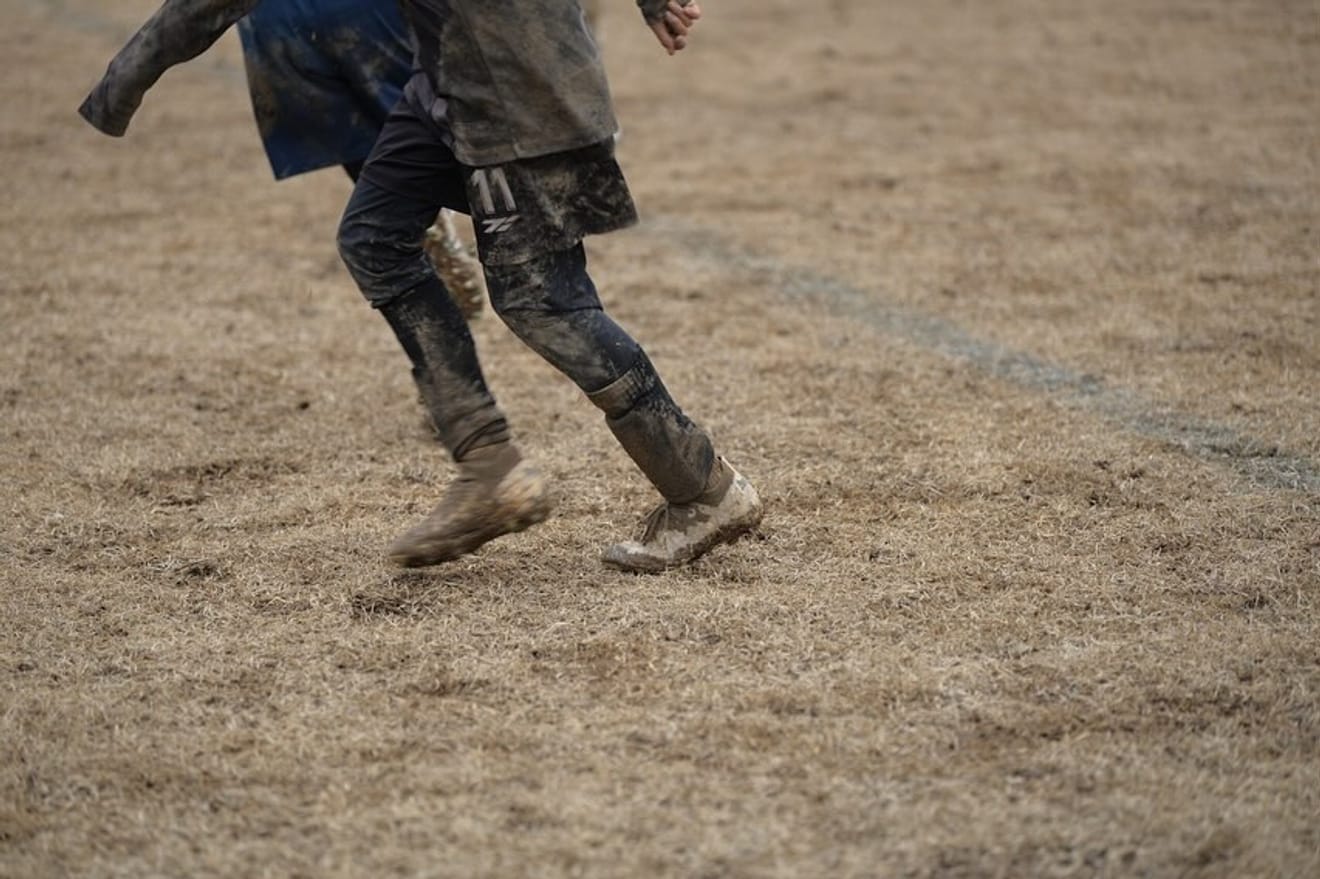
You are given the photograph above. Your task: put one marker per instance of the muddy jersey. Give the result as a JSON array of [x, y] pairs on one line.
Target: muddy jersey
[[508, 79]]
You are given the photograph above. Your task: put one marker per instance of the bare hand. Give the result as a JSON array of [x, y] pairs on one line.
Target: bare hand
[[672, 28]]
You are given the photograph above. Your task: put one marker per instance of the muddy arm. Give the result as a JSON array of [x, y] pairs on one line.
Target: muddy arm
[[179, 31]]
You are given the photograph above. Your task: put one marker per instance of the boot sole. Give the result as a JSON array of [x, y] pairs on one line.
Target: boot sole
[[464, 544], [728, 533]]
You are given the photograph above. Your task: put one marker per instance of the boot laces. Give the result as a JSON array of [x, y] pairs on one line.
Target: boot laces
[[665, 517], [656, 521]]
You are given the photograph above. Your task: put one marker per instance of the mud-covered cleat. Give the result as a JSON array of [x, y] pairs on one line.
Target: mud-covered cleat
[[458, 268], [675, 534], [476, 508]]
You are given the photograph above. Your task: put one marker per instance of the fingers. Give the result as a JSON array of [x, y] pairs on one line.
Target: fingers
[[689, 12], [661, 31], [672, 28], [681, 18], [678, 26]]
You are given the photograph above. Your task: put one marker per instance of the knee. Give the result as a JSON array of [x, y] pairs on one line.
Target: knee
[[353, 248], [552, 283], [551, 304], [384, 263], [533, 297]]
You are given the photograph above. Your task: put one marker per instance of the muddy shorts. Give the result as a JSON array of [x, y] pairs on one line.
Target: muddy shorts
[[521, 209], [323, 75]]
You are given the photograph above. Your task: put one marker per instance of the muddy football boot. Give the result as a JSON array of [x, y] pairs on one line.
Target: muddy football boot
[[495, 493], [675, 534], [458, 269]]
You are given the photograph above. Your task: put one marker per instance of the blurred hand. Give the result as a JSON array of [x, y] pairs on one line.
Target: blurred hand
[[672, 28]]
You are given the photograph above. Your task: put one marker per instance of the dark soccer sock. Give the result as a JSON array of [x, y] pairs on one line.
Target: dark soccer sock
[[437, 340], [673, 452]]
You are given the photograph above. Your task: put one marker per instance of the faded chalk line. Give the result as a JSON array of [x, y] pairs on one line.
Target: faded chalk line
[[1262, 463]]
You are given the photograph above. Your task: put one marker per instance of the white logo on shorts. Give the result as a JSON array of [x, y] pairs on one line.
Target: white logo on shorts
[[488, 182], [498, 224]]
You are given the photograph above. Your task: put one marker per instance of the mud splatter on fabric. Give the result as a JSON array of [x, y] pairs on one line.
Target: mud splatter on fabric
[[512, 79], [323, 76]]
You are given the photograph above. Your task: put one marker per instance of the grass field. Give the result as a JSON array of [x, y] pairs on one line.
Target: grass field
[[1009, 310]]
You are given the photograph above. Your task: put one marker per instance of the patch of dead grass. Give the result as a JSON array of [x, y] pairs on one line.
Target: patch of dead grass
[[981, 632]]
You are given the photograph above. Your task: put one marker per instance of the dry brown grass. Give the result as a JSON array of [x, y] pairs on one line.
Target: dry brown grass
[[988, 628]]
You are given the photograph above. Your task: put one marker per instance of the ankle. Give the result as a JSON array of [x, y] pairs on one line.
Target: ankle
[[491, 462], [717, 482]]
